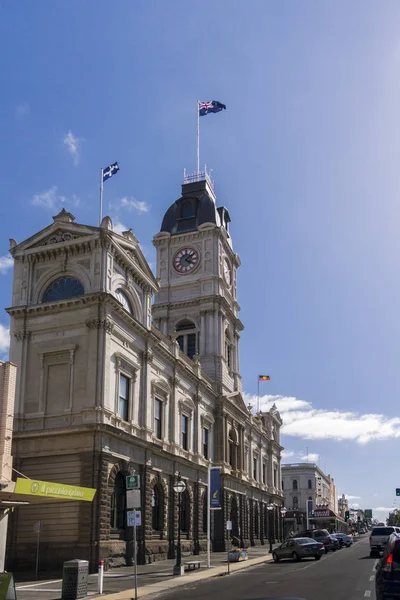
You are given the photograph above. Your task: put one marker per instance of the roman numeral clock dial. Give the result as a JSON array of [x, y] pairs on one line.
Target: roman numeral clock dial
[[186, 260]]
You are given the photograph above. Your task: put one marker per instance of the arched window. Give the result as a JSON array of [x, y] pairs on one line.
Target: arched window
[[295, 484], [228, 349], [205, 513], [232, 449], [185, 512], [310, 497], [282, 485], [63, 288], [295, 503], [157, 508], [256, 522], [187, 340], [309, 484], [118, 503], [123, 299]]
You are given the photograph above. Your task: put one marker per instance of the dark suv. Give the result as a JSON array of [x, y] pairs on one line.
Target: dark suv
[[387, 580], [323, 536]]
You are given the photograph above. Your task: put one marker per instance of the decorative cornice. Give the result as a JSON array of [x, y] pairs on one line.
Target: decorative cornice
[[97, 323]]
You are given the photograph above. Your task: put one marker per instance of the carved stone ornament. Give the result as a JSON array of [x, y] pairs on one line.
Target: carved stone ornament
[[60, 236], [148, 356], [22, 335], [100, 324]]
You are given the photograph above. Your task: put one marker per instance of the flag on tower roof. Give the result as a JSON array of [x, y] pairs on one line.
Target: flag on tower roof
[[110, 171], [210, 107]]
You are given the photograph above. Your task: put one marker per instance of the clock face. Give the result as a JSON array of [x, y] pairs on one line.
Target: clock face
[[227, 272], [186, 260]]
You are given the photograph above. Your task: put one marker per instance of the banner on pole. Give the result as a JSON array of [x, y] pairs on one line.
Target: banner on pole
[[215, 488], [310, 508]]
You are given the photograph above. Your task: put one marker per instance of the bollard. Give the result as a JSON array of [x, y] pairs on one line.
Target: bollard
[[100, 578]]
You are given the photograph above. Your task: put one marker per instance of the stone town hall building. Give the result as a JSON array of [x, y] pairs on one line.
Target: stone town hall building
[[110, 384]]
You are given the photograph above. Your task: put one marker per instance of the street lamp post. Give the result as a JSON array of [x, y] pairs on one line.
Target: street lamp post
[[283, 513], [179, 487], [270, 508]]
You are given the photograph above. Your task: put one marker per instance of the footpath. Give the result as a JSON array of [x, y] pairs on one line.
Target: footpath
[[152, 579]]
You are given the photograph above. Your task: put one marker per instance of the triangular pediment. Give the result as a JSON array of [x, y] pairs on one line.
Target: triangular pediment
[[236, 400], [130, 247], [53, 235]]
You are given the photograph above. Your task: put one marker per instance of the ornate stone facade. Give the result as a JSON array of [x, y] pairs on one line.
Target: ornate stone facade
[[109, 386]]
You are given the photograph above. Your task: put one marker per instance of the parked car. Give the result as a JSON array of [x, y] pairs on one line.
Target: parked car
[[378, 539], [387, 579], [347, 540], [323, 536], [298, 548], [339, 539]]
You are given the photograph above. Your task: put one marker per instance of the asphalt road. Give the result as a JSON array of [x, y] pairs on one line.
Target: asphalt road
[[347, 574]]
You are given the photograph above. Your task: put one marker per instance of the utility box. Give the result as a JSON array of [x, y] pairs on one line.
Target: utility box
[[75, 579]]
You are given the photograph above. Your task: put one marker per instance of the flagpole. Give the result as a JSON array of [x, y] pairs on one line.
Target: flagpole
[[198, 137], [101, 196], [258, 395]]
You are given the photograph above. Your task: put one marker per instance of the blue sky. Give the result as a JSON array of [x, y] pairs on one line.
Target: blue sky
[[306, 157]]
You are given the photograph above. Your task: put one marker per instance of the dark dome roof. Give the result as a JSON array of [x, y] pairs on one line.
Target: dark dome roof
[[195, 207]]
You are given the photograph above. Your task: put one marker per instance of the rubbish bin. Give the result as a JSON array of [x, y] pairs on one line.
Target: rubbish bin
[[75, 579]]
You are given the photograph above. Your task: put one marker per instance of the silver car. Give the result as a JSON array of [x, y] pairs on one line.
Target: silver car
[[299, 548]]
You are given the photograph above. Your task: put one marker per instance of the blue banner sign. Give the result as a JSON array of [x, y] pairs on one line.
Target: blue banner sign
[[310, 508], [215, 488]]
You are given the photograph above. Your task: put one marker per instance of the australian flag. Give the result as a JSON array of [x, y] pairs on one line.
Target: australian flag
[[210, 107], [110, 171]]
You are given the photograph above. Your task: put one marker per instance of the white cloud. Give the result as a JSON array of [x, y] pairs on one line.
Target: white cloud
[[354, 505], [302, 420], [132, 204], [73, 144], [311, 457], [118, 226], [4, 338], [352, 497], [287, 453], [6, 263], [52, 200], [23, 109], [383, 509]]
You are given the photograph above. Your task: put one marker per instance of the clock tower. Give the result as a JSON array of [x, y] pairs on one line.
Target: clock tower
[[196, 270]]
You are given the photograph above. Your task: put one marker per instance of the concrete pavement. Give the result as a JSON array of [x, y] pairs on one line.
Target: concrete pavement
[[154, 578]]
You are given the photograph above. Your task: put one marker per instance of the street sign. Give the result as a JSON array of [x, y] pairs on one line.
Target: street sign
[[368, 513], [134, 518], [133, 482], [133, 499], [229, 525], [37, 527]]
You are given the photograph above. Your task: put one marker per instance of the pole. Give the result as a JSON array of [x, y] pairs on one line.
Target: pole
[[100, 577], [270, 531], [258, 395], [101, 196], [208, 519], [37, 548], [198, 138], [228, 544], [178, 553], [134, 557]]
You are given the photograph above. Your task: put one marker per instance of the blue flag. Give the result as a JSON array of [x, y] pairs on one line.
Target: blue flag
[[210, 107], [110, 171]]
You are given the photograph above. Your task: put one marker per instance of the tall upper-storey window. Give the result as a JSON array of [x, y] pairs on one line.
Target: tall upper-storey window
[[123, 299], [63, 288], [187, 340]]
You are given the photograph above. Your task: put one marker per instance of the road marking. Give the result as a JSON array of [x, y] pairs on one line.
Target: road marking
[[367, 593], [21, 587]]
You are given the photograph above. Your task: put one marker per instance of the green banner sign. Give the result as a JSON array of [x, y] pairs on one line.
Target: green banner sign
[[33, 487]]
